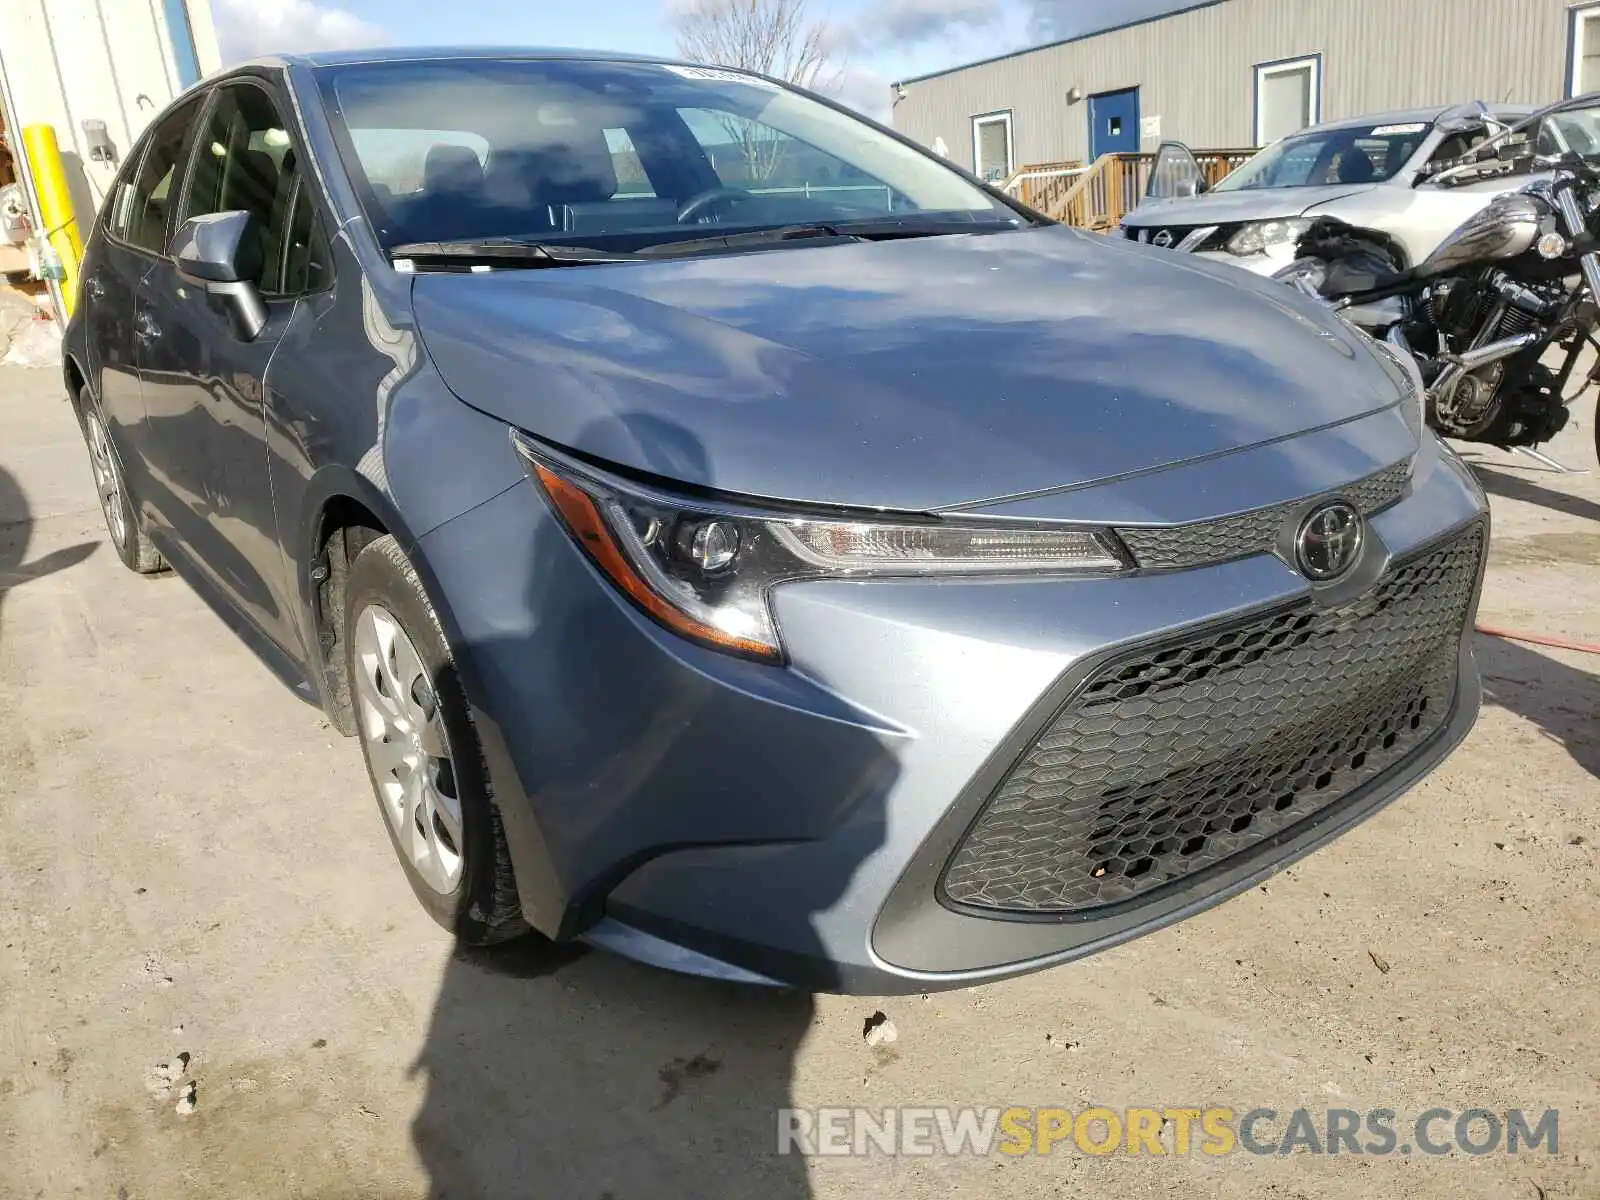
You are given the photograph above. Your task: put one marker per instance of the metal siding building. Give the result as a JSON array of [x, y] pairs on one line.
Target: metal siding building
[[1197, 70], [119, 61]]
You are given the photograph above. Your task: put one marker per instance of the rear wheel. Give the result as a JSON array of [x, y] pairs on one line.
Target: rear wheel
[[422, 751], [122, 517]]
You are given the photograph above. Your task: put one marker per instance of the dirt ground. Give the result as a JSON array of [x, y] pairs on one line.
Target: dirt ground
[[190, 863]]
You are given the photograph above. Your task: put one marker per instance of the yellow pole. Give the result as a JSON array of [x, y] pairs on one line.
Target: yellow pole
[[59, 221]]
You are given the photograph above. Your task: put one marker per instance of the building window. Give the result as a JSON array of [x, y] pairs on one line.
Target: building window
[[992, 149], [1288, 97], [1583, 74]]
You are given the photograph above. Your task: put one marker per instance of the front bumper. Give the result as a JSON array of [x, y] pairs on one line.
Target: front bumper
[[793, 824]]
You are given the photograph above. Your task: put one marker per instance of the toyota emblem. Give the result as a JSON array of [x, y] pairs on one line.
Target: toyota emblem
[[1329, 541], [1163, 238]]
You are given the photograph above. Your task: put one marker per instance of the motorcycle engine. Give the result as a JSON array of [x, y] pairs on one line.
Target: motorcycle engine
[[1455, 306]]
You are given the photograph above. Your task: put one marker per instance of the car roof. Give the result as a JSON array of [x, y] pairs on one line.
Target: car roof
[[1411, 116], [341, 58]]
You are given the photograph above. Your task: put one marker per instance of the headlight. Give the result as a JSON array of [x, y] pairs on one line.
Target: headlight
[[1254, 239], [704, 569]]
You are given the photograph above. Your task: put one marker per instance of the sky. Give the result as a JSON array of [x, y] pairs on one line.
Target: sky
[[888, 40]]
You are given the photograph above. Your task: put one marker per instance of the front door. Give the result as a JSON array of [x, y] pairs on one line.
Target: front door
[[1114, 123], [204, 389], [1175, 174]]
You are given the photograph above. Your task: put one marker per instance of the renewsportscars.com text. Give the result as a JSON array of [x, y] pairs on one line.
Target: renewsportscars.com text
[[1176, 1132]]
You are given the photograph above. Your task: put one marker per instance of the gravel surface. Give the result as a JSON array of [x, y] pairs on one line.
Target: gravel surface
[[215, 982]]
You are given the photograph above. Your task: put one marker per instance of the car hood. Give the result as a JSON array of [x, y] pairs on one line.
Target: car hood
[[912, 375], [1228, 208]]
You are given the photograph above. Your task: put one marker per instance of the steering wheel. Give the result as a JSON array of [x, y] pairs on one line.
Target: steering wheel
[[695, 205]]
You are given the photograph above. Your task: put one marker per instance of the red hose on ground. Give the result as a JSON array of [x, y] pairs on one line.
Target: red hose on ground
[[1539, 639]]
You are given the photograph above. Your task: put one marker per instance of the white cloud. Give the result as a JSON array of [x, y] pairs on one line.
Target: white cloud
[[865, 91], [1052, 19], [919, 20], [246, 28]]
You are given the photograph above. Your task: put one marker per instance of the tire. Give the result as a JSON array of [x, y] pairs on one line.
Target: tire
[[423, 756], [128, 536]]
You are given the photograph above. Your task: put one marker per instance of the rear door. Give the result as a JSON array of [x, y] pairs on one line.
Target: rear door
[[135, 236], [205, 389]]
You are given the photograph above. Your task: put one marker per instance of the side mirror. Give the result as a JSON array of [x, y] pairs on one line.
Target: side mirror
[[221, 253]]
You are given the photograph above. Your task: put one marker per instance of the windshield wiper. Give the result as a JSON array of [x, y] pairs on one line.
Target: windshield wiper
[[870, 230], [510, 252]]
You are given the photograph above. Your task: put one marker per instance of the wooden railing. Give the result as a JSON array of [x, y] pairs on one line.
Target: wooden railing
[[1042, 185], [1099, 196]]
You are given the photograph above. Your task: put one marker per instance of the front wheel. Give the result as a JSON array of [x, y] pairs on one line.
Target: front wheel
[[422, 751]]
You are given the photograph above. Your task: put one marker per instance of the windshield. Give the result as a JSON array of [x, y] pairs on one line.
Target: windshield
[[1354, 154], [616, 154]]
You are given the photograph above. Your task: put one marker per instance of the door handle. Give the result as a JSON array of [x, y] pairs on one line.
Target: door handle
[[145, 327], [94, 289]]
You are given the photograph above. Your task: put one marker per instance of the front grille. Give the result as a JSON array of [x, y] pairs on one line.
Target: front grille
[[1216, 238], [1171, 547], [1174, 757]]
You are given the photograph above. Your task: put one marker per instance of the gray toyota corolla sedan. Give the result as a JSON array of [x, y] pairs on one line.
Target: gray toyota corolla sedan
[[737, 538]]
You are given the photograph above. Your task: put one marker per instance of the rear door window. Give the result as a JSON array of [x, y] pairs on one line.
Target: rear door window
[[143, 212]]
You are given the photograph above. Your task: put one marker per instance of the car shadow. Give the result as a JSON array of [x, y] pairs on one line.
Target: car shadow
[[16, 531], [1516, 487], [1560, 700], [561, 1071], [556, 1071]]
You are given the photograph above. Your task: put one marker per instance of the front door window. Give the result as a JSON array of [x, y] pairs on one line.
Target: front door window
[[244, 161]]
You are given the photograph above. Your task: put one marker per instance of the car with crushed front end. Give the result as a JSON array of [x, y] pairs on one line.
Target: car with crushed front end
[[1376, 172], [739, 539]]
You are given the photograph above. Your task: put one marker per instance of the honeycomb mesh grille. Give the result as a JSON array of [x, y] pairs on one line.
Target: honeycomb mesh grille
[[1170, 547], [1175, 757]]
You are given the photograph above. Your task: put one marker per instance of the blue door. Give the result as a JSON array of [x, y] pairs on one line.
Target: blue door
[[1114, 123]]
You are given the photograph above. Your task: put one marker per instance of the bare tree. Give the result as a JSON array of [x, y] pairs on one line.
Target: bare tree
[[775, 37]]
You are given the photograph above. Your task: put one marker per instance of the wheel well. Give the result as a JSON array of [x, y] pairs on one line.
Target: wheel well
[[75, 381], [347, 526]]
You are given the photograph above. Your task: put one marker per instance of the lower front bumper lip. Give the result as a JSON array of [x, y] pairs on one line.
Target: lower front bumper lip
[[630, 942]]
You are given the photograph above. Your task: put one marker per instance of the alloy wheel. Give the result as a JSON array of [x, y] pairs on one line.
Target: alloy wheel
[[107, 481], [407, 748]]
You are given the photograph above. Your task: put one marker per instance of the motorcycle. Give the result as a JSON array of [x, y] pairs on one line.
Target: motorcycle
[[1479, 315]]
